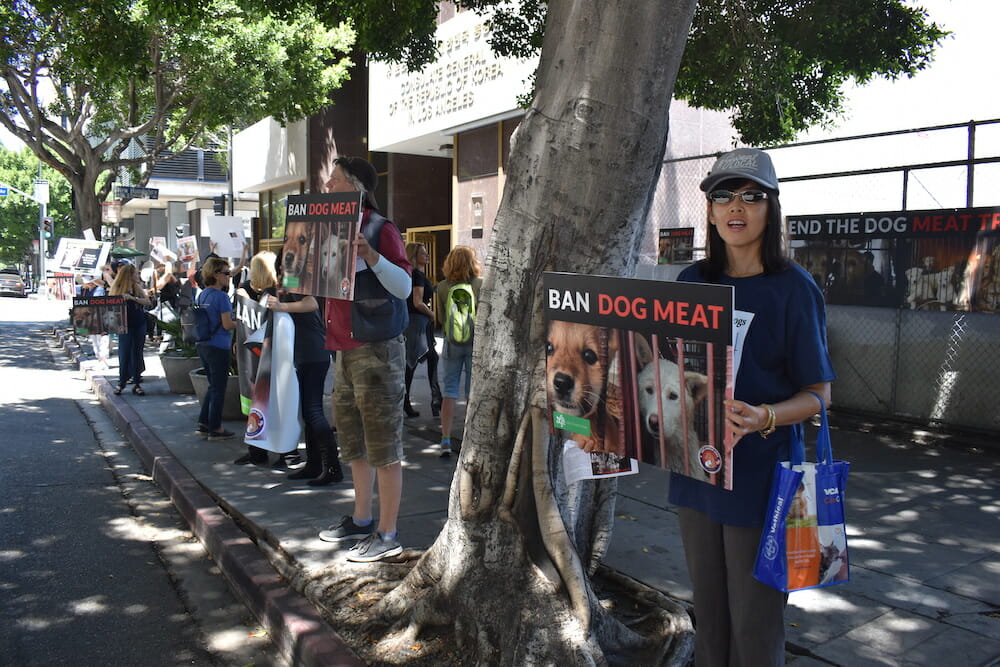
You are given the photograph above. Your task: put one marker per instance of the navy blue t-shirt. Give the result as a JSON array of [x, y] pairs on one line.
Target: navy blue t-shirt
[[785, 349]]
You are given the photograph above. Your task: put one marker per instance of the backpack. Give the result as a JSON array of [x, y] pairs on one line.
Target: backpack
[[196, 324], [460, 314]]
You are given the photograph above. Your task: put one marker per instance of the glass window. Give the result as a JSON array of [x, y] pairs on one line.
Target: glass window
[[477, 153], [276, 209]]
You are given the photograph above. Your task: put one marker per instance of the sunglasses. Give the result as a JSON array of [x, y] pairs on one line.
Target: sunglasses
[[726, 196]]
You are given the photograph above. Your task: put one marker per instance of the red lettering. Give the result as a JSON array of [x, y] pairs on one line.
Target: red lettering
[[715, 315], [682, 313], [622, 306], [951, 225], [663, 311], [921, 224], [700, 319]]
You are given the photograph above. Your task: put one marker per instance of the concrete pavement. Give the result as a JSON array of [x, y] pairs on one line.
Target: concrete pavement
[[923, 524]]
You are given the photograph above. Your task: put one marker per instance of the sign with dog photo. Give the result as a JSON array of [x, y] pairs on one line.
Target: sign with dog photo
[[318, 256], [81, 256], [676, 245], [99, 315], [943, 260], [639, 369]]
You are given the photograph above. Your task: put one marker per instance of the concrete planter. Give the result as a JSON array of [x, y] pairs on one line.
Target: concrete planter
[[231, 407], [177, 371]]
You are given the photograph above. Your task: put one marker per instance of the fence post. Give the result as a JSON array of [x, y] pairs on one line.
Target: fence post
[[970, 168], [895, 362]]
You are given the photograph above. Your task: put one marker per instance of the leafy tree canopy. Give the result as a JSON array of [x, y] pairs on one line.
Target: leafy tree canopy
[[85, 80], [777, 65], [19, 215]]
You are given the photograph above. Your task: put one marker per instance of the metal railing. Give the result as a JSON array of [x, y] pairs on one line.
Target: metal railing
[[931, 367]]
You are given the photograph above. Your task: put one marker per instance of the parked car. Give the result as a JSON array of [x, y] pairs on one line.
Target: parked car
[[11, 283]]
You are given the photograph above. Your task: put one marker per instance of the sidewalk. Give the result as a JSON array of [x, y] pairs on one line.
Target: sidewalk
[[924, 523]]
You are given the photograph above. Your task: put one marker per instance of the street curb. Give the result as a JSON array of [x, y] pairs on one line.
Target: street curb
[[302, 636]]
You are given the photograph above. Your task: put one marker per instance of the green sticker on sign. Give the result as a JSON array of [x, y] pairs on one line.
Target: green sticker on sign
[[570, 423], [291, 281]]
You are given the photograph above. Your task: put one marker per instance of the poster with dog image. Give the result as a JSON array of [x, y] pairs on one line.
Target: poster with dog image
[[676, 245], [318, 256], [639, 369], [99, 315], [81, 256], [943, 260]]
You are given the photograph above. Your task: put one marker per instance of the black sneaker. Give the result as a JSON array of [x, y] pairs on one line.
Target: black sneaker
[[345, 529], [221, 435]]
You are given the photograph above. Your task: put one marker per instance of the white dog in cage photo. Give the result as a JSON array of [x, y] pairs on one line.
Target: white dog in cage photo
[[659, 397]]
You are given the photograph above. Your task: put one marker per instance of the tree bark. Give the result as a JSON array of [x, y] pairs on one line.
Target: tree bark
[[510, 569]]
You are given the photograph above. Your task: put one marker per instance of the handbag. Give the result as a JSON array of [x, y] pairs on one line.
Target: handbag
[[804, 541]]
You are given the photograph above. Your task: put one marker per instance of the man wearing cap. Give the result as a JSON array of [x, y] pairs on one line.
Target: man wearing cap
[[369, 371]]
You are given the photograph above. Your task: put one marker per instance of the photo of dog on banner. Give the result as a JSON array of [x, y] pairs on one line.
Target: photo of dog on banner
[[651, 398]]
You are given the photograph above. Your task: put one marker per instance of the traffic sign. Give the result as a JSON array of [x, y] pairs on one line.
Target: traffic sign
[[3, 192], [131, 192]]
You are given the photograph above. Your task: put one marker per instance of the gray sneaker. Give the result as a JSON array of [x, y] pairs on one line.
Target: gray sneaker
[[373, 548], [346, 528]]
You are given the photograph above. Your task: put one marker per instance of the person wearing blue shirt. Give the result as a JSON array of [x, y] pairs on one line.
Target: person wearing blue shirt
[[214, 352], [740, 621]]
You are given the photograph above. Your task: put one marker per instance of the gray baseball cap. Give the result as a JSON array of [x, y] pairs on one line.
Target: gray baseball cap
[[745, 163]]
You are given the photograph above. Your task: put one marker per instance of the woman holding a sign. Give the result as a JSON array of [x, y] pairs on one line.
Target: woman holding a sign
[[130, 362], [740, 621]]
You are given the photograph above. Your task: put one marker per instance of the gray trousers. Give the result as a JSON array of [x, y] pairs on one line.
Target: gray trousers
[[739, 622]]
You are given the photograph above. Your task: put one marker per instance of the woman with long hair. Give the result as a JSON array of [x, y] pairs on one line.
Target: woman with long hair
[[784, 356], [130, 344], [420, 332], [461, 266]]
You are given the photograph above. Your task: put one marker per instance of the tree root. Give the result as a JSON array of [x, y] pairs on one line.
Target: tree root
[[553, 530]]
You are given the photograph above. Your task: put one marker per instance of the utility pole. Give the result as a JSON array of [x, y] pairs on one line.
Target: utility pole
[[42, 197], [229, 172]]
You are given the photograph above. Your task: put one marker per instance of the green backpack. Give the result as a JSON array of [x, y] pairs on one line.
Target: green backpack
[[460, 314]]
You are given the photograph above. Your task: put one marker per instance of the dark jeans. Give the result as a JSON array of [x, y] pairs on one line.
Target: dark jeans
[[216, 363], [130, 345], [311, 379]]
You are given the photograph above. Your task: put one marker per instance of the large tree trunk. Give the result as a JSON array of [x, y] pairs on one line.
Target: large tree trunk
[[510, 571]]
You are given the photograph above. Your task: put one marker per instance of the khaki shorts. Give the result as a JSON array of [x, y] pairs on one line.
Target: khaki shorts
[[368, 393]]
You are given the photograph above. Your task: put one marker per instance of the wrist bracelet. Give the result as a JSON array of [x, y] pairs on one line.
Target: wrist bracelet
[[770, 425]]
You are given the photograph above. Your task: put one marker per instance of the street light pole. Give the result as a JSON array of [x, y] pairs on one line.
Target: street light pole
[[42, 197]]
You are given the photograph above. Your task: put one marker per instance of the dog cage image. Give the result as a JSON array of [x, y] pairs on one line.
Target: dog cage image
[[673, 413], [656, 399]]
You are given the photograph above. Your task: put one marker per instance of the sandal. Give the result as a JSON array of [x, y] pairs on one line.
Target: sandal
[[138, 390], [118, 390]]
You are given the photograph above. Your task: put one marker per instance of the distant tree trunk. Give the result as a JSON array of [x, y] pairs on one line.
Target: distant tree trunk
[[510, 571]]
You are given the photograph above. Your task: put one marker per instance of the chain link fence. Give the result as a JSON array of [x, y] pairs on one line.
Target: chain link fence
[[922, 360]]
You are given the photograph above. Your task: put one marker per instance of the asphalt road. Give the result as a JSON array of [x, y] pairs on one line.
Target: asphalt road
[[96, 568]]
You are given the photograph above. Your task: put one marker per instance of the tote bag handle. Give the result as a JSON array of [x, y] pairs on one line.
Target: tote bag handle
[[824, 450]]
